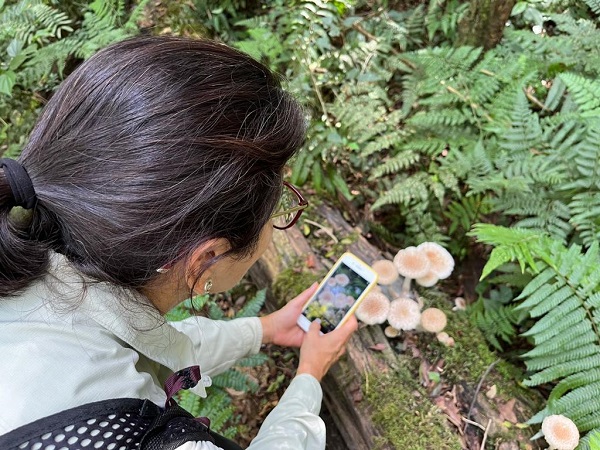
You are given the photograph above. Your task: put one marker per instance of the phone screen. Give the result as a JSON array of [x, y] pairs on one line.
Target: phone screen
[[335, 297]]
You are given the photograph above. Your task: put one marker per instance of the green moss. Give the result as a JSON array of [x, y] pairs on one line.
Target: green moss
[[293, 280], [469, 359], [408, 419]]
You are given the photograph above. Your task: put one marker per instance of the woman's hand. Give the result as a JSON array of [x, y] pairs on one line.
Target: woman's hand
[[318, 352], [280, 327]]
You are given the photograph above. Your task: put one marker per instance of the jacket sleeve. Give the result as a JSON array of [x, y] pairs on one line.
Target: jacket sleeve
[[219, 343], [294, 423]]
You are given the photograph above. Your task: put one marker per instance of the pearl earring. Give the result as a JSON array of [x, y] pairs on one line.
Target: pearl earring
[[208, 286]]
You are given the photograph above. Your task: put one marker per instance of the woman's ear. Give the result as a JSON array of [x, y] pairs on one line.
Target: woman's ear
[[197, 273]]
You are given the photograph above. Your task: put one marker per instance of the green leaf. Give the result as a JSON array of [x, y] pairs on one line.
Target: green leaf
[[519, 8], [7, 81], [14, 48]]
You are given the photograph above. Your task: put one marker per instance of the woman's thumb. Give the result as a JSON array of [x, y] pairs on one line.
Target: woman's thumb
[[314, 327]]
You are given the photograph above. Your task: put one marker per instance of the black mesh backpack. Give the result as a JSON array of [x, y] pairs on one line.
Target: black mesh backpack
[[120, 424]]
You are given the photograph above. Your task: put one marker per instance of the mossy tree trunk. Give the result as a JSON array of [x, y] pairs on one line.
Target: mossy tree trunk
[[483, 26]]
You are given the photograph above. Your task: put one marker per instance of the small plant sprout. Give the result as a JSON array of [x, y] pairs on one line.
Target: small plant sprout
[[404, 314], [373, 309], [386, 271], [560, 432], [441, 262], [433, 320], [411, 263]]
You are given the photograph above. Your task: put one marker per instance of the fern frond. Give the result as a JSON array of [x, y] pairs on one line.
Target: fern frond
[[252, 307], [512, 244], [585, 92], [401, 161], [497, 323], [235, 380]]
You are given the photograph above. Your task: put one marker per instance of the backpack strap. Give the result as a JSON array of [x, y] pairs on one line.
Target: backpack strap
[[119, 424]]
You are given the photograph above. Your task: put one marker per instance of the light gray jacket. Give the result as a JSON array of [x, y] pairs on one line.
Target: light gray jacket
[[55, 356]]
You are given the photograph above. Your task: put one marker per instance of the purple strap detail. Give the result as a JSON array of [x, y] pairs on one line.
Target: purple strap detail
[[204, 420], [182, 379]]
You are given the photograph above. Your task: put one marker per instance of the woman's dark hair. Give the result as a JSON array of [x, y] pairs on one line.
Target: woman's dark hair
[[151, 147]]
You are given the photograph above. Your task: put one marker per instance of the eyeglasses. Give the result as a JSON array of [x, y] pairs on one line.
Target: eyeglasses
[[290, 207]]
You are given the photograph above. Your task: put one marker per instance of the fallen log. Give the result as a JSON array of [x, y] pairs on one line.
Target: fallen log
[[345, 386], [342, 387]]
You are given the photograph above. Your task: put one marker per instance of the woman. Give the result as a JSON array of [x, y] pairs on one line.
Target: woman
[[154, 172]]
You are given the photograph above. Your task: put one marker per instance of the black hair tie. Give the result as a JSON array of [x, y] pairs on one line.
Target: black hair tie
[[19, 182]]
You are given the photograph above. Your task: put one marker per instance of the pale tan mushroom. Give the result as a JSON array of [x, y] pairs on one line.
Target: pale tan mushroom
[[404, 314], [433, 320], [373, 309], [560, 432], [391, 332], [411, 263], [386, 271], [460, 304], [440, 260], [445, 339], [428, 280]]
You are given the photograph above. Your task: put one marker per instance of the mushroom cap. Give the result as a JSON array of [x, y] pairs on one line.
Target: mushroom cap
[[404, 314], [373, 309], [391, 332], [412, 263], [440, 260], [342, 279], [560, 432], [428, 280], [433, 320], [386, 271]]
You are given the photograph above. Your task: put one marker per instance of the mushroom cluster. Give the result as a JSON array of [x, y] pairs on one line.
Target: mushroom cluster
[[426, 264]]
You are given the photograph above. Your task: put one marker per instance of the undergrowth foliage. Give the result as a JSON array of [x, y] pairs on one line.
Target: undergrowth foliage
[[563, 299], [38, 39], [217, 405]]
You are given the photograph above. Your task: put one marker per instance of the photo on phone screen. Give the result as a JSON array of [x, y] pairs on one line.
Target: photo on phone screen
[[338, 293]]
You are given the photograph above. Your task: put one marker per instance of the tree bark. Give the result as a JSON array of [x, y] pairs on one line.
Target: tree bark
[[483, 26]]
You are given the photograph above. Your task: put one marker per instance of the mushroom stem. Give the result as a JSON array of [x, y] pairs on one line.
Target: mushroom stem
[[406, 286]]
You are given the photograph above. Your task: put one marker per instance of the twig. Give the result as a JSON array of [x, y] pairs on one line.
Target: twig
[[317, 90], [534, 100], [485, 374], [472, 422], [364, 32], [326, 230], [485, 434]]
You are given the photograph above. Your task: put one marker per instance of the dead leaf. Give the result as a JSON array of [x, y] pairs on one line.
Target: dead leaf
[[311, 261], [378, 347], [449, 408], [491, 392], [507, 411]]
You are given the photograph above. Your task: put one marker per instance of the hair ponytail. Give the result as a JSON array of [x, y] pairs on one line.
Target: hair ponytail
[[22, 257]]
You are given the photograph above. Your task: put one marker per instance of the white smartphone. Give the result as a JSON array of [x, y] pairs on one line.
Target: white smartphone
[[339, 294]]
